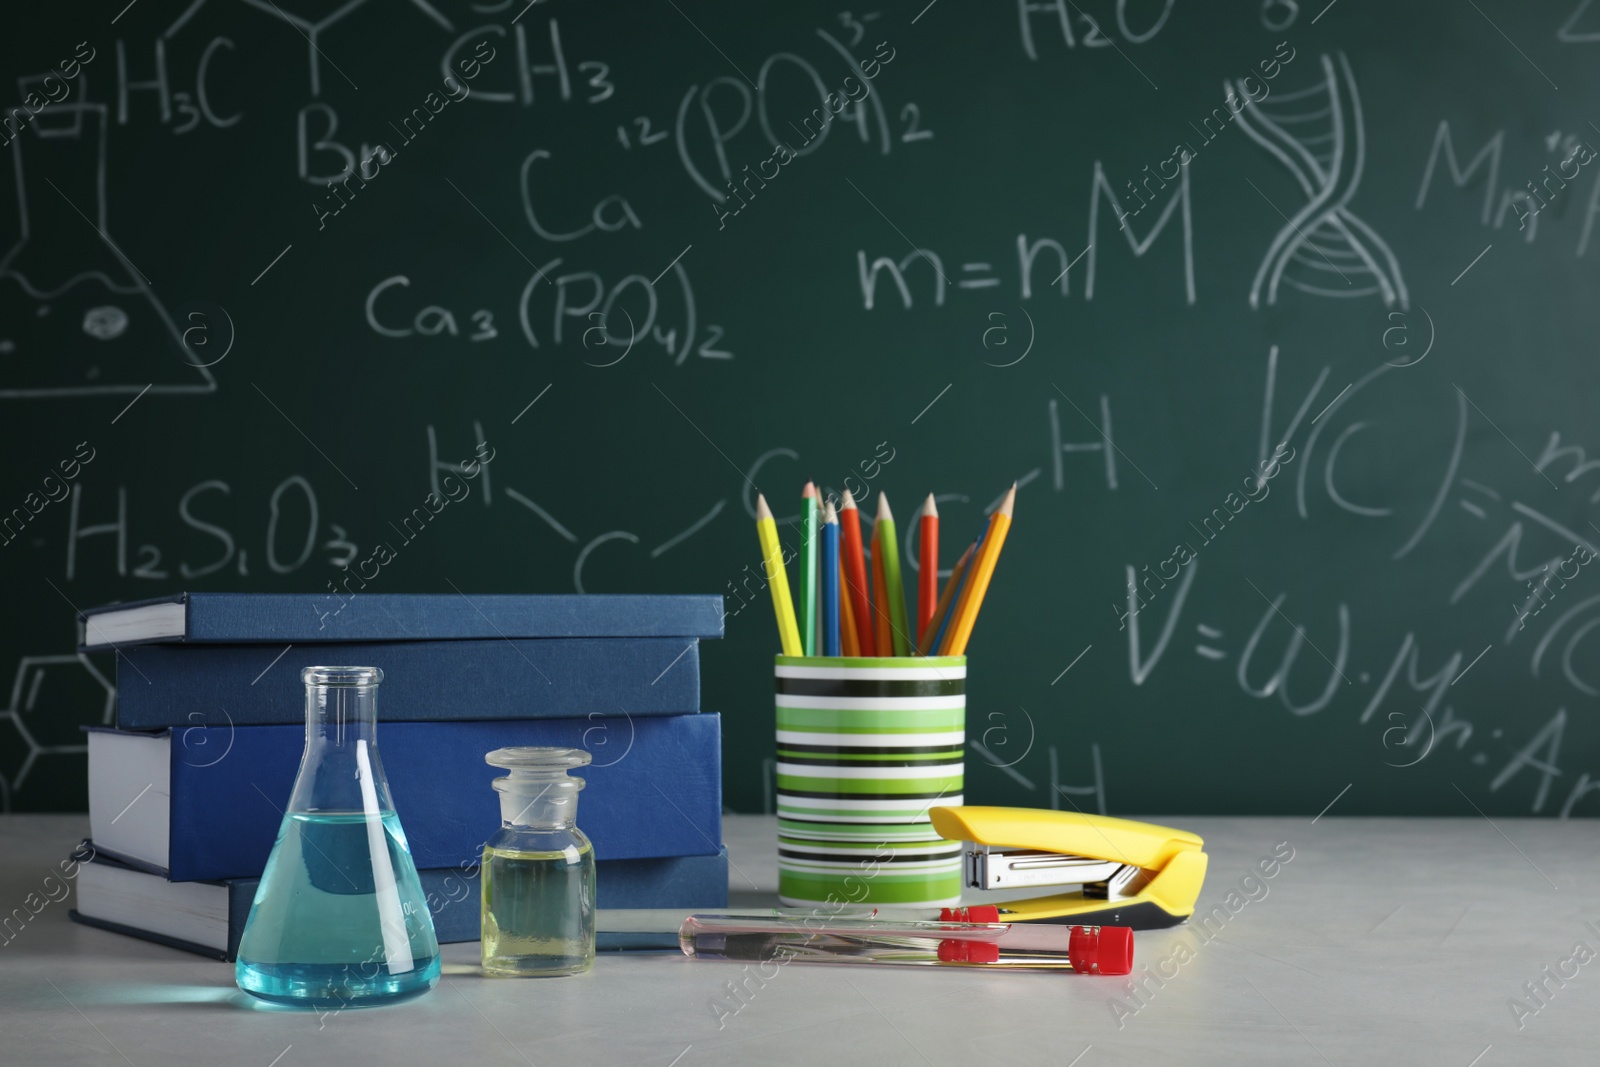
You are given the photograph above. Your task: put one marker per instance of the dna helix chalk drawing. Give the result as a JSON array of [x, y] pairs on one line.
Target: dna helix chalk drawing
[[1318, 134]]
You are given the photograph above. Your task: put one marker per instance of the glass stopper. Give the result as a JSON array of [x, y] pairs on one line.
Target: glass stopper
[[530, 763]]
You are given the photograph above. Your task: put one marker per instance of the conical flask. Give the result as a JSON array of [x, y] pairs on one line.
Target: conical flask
[[339, 919]]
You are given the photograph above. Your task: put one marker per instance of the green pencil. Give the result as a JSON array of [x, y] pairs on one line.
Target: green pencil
[[889, 545], [808, 569]]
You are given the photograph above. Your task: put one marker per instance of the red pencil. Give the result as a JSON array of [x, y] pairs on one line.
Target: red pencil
[[928, 565], [884, 631], [853, 565]]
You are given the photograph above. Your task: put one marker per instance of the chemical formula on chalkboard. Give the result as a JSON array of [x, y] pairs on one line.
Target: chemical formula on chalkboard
[[1279, 320]]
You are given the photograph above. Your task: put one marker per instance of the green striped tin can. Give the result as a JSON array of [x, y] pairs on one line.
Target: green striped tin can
[[866, 745]]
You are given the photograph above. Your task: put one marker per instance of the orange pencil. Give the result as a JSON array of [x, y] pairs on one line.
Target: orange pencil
[[927, 566], [884, 636], [931, 630], [853, 566], [849, 644], [994, 539]]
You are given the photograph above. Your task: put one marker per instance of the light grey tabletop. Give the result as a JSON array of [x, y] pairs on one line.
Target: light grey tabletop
[[1392, 941]]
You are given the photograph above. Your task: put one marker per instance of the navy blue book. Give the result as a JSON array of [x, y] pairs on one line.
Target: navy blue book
[[159, 686], [208, 917], [205, 802], [307, 618]]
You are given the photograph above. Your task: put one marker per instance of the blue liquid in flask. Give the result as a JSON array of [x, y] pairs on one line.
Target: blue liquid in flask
[[339, 919]]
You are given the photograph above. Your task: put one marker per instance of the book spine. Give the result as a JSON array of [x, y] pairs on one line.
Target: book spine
[[325, 617], [654, 789], [165, 686]]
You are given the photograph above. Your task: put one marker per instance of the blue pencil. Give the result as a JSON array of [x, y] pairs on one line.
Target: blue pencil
[[830, 581]]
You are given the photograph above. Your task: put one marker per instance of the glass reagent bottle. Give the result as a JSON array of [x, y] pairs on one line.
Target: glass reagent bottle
[[538, 870]]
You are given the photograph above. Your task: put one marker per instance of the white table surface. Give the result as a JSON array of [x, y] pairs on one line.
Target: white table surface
[[1383, 941]]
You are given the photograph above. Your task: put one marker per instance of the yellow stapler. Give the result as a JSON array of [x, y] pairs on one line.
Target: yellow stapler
[[1124, 873]]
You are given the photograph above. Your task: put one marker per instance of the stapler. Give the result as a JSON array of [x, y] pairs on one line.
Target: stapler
[[1123, 873]]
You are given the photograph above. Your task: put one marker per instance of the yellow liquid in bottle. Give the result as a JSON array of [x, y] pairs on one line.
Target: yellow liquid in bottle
[[538, 911]]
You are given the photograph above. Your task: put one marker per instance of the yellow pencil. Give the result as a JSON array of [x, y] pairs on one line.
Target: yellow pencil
[[953, 583], [777, 579], [982, 568]]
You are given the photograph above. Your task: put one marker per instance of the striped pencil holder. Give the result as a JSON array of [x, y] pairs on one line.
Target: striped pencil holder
[[866, 745]]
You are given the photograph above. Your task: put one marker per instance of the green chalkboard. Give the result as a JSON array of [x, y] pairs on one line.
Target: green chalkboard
[[275, 265]]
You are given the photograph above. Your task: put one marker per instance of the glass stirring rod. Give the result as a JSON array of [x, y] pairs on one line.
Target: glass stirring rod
[[815, 939]]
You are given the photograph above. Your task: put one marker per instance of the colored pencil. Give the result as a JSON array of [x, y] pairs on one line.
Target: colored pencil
[[777, 579], [927, 565], [930, 635], [849, 643], [830, 581], [944, 622], [880, 602], [889, 542], [982, 568], [809, 515], [853, 566]]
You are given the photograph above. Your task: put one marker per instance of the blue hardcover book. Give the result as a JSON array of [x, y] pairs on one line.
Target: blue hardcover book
[[208, 917], [159, 686], [307, 618], [205, 802]]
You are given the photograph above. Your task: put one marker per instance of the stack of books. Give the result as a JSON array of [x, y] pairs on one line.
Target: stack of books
[[186, 794]]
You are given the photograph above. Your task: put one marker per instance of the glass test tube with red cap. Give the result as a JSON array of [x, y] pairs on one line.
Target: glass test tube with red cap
[[823, 939]]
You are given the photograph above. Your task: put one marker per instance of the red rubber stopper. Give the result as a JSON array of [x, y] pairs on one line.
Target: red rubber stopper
[[953, 951], [975, 913], [1101, 950]]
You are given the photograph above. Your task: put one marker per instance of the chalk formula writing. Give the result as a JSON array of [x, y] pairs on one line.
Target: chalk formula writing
[[103, 540]]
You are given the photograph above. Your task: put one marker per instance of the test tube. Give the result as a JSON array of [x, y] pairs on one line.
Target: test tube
[[812, 938], [971, 913]]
